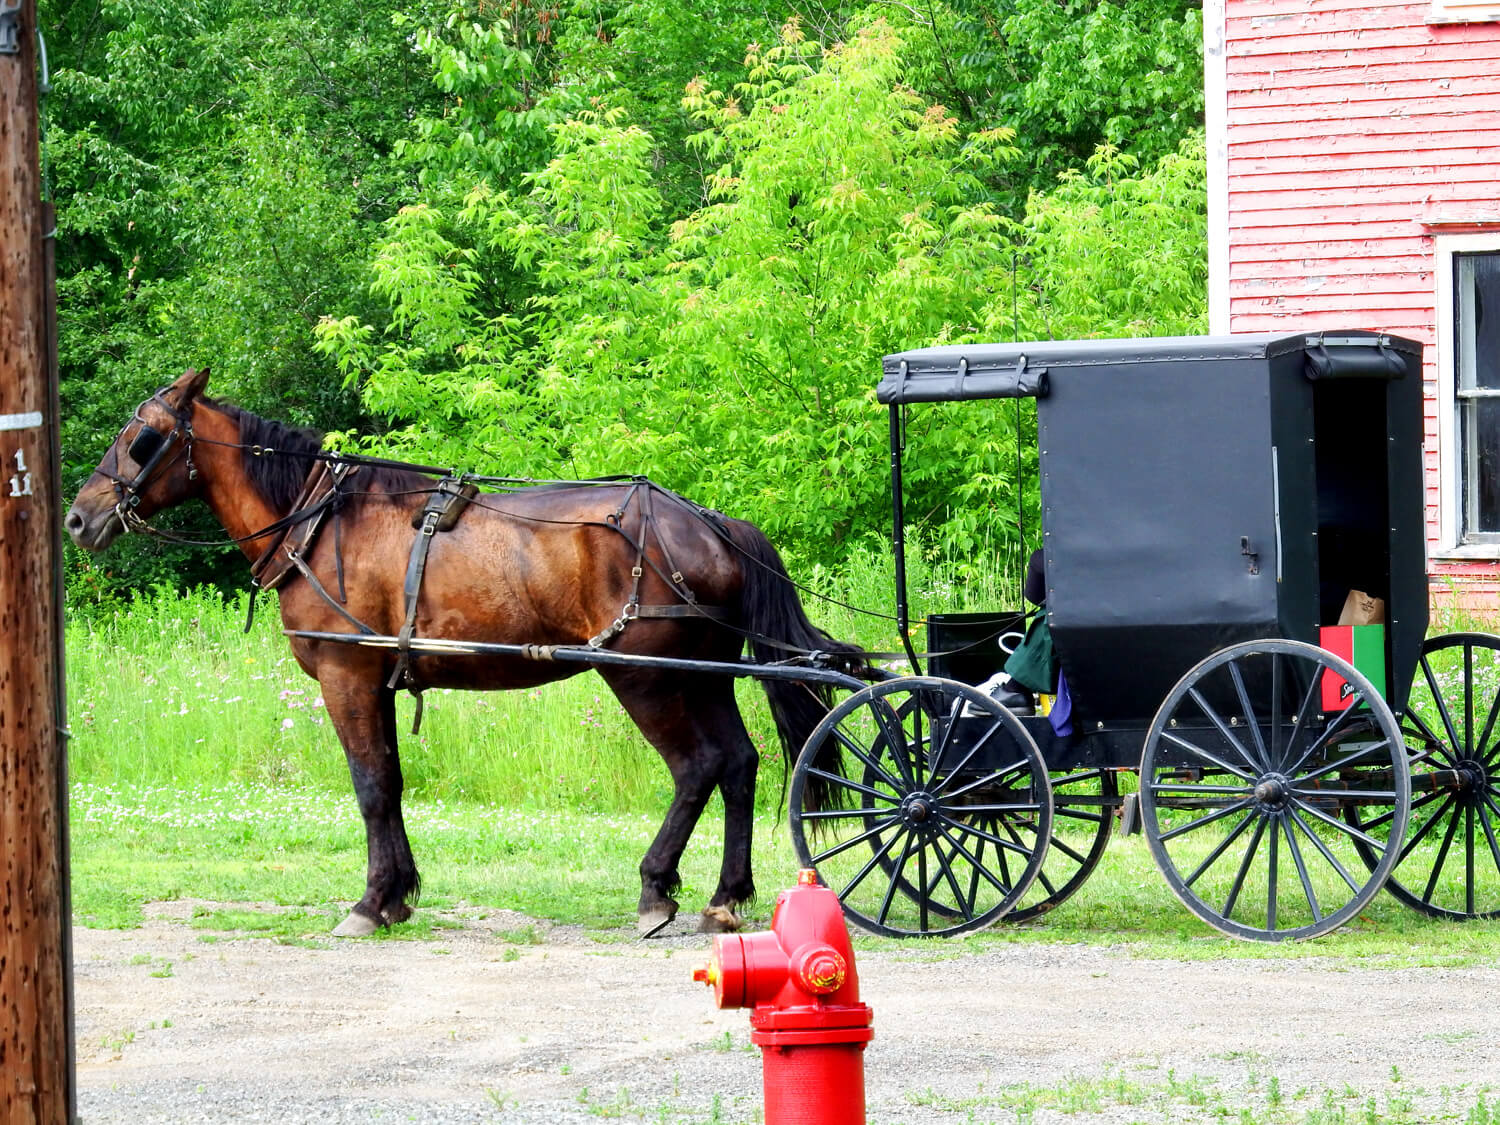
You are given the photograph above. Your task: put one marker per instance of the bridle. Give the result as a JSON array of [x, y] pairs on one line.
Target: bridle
[[149, 449]]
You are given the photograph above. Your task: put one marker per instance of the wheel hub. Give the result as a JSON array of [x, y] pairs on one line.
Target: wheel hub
[[1272, 791], [1473, 780], [918, 807]]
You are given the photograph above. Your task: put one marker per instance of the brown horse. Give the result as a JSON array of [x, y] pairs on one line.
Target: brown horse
[[626, 566]]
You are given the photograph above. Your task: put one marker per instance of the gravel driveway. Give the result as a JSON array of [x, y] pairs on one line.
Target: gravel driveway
[[475, 1027]]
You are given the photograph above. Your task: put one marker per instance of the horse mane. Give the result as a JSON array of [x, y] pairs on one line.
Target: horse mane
[[279, 478]]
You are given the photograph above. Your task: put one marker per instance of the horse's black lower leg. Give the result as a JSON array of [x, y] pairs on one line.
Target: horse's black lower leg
[[692, 786], [695, 726], [737, 786], [364, 715]]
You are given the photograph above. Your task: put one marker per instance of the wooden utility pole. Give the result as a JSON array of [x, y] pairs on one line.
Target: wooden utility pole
[[36, 1071]]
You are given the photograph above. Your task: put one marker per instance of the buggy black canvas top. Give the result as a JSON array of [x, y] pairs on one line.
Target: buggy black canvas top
[[965, 372], [1201, 491]]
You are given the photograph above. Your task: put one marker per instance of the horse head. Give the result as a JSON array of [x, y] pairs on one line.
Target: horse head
[[148, 467]]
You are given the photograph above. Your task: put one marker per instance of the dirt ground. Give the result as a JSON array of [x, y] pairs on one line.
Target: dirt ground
[[474, 1027]]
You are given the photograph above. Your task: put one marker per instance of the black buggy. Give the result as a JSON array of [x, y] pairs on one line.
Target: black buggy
[[1209, 504]]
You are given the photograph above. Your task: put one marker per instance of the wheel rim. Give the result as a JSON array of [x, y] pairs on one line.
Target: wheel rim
[[947, 824], [1083, 803], [1243, 782], [1449, 865]]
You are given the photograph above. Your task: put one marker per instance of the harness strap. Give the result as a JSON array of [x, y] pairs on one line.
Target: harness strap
[[451, 495], [306, 517], [318, 588]]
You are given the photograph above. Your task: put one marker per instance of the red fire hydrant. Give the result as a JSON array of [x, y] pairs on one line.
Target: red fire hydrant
[[798, 980]]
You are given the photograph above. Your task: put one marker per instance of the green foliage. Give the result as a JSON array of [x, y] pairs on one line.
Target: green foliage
[[502, 233], [840, 225]]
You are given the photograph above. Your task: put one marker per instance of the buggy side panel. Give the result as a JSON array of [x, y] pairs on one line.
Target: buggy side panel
[[1157, 478]]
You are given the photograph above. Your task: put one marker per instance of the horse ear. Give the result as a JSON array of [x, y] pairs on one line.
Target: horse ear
[[188, 386]]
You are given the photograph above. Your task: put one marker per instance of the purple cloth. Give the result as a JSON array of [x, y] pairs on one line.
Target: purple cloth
[[1061, 715]]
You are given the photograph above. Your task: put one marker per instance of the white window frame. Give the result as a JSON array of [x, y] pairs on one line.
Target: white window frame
[[1450, 467], [1463, 11]]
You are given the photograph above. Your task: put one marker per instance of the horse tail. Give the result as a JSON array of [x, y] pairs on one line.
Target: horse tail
[[771, 612]]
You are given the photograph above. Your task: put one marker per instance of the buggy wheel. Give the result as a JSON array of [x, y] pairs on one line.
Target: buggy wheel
[[1243, 780], [1083, 806], [1449, 864], [948, 822]]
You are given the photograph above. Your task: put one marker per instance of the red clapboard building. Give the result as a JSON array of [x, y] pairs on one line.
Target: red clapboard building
[[1354, 182]]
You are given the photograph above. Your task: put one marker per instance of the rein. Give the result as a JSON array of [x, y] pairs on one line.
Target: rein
[[150, 448]]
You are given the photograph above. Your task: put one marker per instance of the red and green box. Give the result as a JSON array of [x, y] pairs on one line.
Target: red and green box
[[1361, 645]]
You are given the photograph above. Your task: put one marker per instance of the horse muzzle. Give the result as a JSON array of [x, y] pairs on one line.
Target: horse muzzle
[[93, 531]]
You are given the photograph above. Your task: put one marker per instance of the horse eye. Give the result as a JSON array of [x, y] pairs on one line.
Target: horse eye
[[144, 445]]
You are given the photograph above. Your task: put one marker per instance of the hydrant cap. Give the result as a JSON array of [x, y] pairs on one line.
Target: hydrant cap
[[820, 969]]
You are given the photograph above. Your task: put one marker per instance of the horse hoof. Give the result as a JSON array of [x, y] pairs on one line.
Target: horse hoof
[[355, 925], [649, 923], [719, 920]]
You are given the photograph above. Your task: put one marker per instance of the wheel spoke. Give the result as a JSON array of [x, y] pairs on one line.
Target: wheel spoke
[[1442, 706], [1212, 759], [1004, 890], [871, 763], [1307, 887], [1271, 850], [1346, 829], [998, 841], [1328, 734], [988, 779], [1262, 761], [1468, 701], [1432, 740], [1344, 762], [1217, 814], [1483, 750], [940, 788], [1384, 796], [1327, 853], [1060, 845], [1386, 817], [870, 865], [1304, 716], [1222, 727], [838, 814], [1427, 826], [848, 783], [1489, 832], [844, 845], [1239, 878], [970, 810], [890, 890], [1468, 859], [1196, 787], [1442, 858], [1219, 850]]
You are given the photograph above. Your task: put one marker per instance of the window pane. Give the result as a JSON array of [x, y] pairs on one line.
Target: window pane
[[1482, 465], [1479, 305]]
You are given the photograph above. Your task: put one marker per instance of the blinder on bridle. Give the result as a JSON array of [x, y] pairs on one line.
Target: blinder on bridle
[[145, 445], [149, 449]]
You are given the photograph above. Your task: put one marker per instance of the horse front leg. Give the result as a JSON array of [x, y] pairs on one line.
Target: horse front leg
[[363, 712]]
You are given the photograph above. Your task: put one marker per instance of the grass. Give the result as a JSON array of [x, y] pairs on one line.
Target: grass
[[203, 766], [303, 849], [1139, 1096]]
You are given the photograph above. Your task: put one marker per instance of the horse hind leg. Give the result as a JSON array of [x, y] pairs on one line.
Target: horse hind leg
[[696, 729]]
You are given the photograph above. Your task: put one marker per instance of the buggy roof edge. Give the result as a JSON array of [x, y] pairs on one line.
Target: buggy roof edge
[[961, 372]]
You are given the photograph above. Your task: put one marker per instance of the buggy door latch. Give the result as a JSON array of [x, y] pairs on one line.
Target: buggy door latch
[[1253, 556]]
